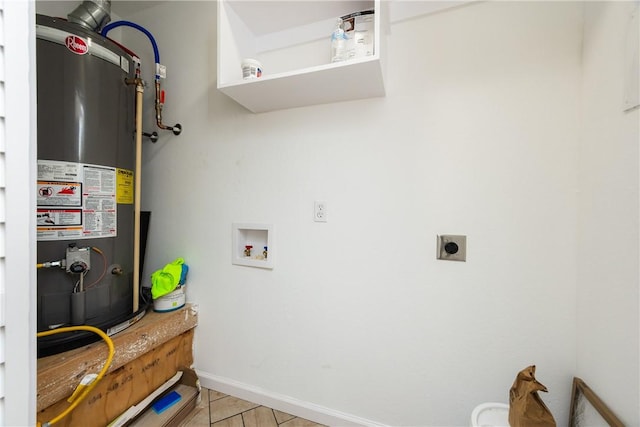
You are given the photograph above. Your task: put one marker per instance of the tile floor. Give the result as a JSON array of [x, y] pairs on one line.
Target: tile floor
[[221, 410]]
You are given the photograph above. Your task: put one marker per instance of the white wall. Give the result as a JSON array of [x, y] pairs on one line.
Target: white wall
[[608, 276], [478, 135]]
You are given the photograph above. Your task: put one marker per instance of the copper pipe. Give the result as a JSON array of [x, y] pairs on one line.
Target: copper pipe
[[177, 128]]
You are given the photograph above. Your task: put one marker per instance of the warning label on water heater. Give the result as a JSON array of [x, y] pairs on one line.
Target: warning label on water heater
[[124, 190], [76, 201]]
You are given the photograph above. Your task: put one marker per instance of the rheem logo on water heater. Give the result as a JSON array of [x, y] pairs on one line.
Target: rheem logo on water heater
[[76, 45]]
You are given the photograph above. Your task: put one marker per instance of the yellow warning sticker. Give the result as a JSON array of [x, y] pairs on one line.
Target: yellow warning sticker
[[124, 187]]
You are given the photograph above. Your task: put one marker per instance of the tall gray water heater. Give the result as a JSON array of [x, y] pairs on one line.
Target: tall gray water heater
[[85, 182]]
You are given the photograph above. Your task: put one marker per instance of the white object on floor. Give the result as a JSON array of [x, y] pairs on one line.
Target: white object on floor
[[490, 414]]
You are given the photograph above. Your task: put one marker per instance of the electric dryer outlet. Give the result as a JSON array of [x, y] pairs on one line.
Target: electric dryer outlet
[[452, 247]]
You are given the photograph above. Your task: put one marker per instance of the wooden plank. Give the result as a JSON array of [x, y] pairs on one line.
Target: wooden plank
[[58, 375], [127, 385]]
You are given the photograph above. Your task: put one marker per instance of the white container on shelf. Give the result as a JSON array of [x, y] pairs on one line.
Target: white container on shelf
[[251, 69], [171, 301]]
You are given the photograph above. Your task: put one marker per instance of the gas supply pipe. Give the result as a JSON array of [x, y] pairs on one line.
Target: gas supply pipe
[[89, 381]]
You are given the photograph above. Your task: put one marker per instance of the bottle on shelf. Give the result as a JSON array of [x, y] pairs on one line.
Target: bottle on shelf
[[338, 43]]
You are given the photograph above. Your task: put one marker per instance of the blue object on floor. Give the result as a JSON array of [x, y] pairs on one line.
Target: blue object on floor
[[166, 402]]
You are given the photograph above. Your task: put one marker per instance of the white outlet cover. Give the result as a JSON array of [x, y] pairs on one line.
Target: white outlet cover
[[320, 211]]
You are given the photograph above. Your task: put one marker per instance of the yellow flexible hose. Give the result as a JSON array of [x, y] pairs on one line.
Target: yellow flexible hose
[[90, 387]]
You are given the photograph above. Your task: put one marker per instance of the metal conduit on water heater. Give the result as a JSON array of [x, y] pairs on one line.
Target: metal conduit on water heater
[[92, 15]]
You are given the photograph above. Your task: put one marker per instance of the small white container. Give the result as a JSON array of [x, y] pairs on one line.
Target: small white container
[[251, 69], [171, 301]]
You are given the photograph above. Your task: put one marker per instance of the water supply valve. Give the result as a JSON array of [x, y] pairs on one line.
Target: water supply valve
[[177, 129], [78, 260]]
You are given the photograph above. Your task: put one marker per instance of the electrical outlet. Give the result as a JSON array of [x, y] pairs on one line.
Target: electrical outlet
[[452, 247], [320, 211]]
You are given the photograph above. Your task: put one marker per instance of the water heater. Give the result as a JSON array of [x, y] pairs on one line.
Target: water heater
[[85, 181]]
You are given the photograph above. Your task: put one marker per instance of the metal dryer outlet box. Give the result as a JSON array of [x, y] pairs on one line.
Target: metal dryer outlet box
[[452, 247]]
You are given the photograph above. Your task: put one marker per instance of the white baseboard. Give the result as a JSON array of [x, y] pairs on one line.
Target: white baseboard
[[290, 405]]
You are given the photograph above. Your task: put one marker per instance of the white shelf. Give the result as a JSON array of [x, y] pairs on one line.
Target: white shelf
[[295, 57]]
